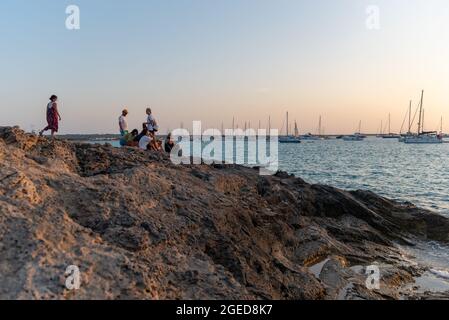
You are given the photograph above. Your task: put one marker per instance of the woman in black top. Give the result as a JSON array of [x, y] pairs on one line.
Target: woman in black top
[[141, 134], [169, 144]]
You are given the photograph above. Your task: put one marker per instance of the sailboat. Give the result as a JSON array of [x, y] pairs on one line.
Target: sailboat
[[296, 129], [288, 138], [442, 134], [381, 131], [356, 136], [409, 131], [423, 137], [390, 135], [312, 137]]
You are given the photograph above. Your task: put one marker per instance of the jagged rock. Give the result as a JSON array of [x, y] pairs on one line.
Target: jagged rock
[[200, 175], [141, 227]]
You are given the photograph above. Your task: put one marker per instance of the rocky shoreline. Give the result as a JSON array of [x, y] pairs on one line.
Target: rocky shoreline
[[140, 227]]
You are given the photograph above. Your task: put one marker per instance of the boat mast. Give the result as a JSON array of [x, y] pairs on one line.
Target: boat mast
[[319, 127], [421, 115], [389, 124], [422, 128], [441, 125], [360, 127], [287, 124], [410, 117]]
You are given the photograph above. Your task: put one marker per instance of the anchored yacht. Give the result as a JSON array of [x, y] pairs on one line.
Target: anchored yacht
[[423, 137]]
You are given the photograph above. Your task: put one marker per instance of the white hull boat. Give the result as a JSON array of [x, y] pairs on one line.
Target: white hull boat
[[289, 138], [310, 137], [354, 137], [423, 137], [427, 138]]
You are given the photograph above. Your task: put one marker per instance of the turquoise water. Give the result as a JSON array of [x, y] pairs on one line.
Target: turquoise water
[[415, 173]]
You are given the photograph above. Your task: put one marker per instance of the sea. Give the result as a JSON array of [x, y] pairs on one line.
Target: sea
[[404, 172]]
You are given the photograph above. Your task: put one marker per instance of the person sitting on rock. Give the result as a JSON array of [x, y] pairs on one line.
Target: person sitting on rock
[[142, 133], [169, 144], [156, 145], [145, 140], [128, 139]]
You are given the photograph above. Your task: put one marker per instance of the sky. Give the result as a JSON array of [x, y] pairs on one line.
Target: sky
[[212, 60]]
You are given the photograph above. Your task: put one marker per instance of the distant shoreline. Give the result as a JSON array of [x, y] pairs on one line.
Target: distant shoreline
[[116, 137], [89, 137]]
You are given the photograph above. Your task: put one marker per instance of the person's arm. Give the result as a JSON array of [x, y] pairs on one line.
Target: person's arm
[[55, 105], [148, 122]]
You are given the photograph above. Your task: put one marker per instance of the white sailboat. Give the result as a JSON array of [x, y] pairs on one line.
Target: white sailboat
[[312, 137], [356, 136], [423, 137], [442, 134], [409, 131], [381, 131], [288, 138], [390, 135], [296, 129]]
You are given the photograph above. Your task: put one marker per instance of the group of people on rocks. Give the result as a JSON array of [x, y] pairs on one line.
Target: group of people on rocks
[[147, 138]]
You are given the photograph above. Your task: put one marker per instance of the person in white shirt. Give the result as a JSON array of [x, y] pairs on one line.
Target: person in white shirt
[[123, 124], [151, 122], [144, 142]]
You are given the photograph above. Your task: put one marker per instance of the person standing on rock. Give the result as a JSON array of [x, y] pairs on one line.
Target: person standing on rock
[[123, 124], [53, 117], [151, 122]]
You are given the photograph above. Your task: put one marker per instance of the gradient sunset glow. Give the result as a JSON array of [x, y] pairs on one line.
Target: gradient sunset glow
[[213, 60]]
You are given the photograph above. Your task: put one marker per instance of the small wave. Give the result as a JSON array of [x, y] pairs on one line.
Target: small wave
[[440, 273]]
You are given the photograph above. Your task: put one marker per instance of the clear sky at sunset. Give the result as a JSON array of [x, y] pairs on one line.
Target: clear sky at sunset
[[211, 60]]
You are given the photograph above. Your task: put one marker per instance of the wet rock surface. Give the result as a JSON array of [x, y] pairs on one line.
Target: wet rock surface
[[139, 227]]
